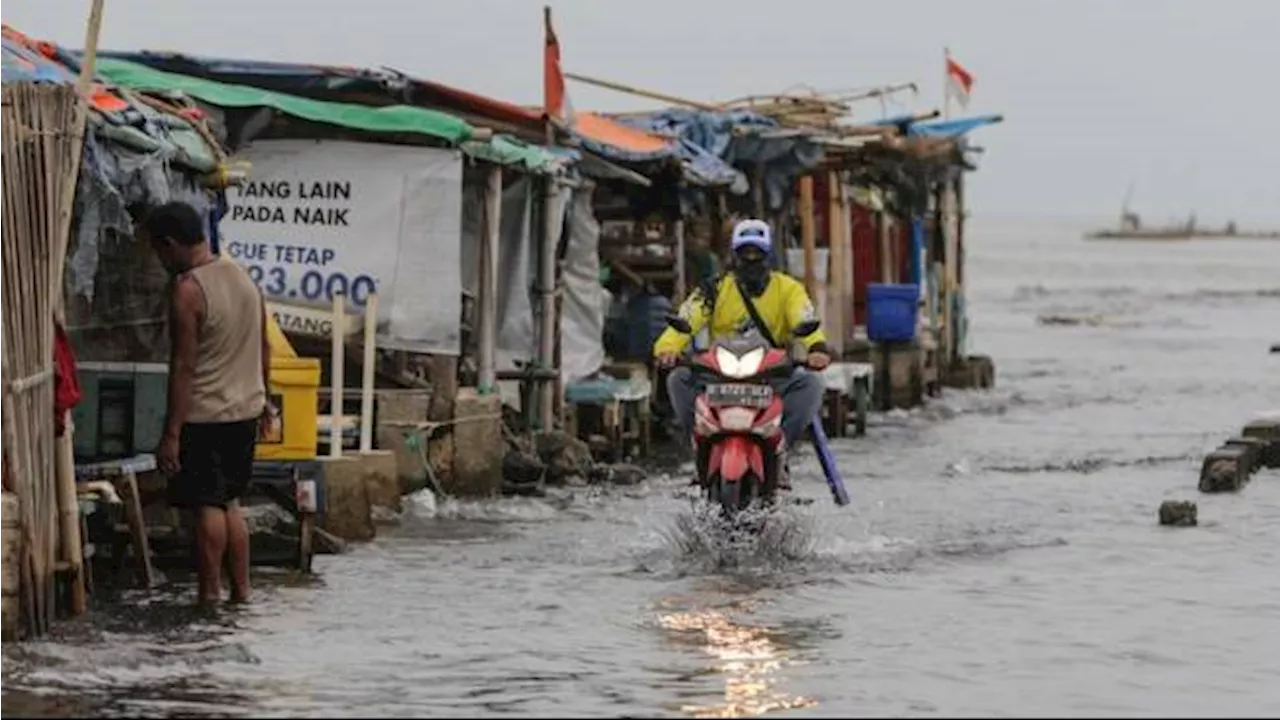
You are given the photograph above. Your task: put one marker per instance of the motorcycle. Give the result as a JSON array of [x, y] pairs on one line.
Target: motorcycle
[[738, 443]]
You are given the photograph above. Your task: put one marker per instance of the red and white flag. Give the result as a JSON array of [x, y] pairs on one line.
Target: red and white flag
[[959, 82], [555, 101]]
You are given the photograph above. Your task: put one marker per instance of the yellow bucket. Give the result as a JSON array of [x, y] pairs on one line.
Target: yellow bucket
[[295, 384]]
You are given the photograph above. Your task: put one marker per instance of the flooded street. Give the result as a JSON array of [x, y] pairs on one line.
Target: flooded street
[[1001, 555]]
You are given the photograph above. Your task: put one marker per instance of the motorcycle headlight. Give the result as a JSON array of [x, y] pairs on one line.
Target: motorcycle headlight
[[739, 367]]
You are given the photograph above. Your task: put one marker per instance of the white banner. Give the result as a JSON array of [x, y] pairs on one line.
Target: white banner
[[320, 217]]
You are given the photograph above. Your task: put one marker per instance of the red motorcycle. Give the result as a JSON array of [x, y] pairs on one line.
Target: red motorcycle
[[738, 441]]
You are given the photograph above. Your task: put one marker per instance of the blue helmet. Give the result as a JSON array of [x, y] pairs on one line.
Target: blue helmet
[[752, 233]]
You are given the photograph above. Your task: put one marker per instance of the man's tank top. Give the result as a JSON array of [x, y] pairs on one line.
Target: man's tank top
[[228, 375]]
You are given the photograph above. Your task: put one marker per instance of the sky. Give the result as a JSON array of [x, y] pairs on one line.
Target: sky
[[1173, 97]]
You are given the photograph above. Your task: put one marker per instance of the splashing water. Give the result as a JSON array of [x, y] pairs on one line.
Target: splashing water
[[759, 540]]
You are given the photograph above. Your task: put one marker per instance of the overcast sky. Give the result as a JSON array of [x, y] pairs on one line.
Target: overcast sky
[[1176, 97]]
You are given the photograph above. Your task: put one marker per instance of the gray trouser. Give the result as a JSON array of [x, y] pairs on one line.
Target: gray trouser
[[801, 400]]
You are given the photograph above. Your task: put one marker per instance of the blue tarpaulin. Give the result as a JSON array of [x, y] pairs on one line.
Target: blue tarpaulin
[[939, 128], [713, 143], [952, 128], [22, 64]]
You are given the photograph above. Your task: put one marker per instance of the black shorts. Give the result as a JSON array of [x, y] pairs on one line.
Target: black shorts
[[217, 463]]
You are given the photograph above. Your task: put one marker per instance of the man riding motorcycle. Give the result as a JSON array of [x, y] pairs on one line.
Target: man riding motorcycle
[[780, 301]]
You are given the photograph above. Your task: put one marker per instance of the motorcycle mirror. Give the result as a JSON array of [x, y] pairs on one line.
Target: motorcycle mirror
[[680, 324], [808, 327]]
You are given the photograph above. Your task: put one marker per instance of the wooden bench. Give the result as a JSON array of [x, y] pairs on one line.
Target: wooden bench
[[123, 477], [624, 408]]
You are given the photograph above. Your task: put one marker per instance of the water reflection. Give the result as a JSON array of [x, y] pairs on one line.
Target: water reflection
[[748, 656]]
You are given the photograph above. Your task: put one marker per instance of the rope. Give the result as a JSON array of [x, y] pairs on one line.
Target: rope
[[427, 428], [430, 426]]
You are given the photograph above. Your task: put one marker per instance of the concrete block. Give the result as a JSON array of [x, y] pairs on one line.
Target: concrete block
[[972, 372], [1178, 513], [1253, 448], [1267, 430], [899, 372], [478, 446], [381, 478], [410, 475], [1224, 470], [347, 513], [402, 405]]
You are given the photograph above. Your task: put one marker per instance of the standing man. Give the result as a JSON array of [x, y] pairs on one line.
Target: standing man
[[218, 380]]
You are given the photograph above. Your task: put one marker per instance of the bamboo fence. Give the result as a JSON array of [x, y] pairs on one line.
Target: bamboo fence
[[41, 156]]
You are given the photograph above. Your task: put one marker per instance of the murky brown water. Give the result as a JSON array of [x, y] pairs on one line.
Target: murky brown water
[[1001, 556]]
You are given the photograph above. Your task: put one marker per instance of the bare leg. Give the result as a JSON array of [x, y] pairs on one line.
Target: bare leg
[[238, 552], [211, 545]]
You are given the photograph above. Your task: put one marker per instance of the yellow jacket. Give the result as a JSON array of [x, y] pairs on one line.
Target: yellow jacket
[[783, 305]]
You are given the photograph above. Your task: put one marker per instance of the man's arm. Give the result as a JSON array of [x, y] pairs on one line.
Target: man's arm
[[694, 311], [186, 307], [800, 309], [266, 349]]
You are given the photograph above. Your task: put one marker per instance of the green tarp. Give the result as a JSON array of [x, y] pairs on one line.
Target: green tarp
[[504, 150], [392, 119]]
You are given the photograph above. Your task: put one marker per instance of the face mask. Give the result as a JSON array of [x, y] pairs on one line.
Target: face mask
[[754, 274]]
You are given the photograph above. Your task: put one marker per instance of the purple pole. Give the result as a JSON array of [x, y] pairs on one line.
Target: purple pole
[[829, 469]]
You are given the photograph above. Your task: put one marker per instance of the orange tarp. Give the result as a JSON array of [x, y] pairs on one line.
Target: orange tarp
[[609, 132]]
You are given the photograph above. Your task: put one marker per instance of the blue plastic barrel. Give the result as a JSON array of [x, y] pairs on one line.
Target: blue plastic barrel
[[892, 311]]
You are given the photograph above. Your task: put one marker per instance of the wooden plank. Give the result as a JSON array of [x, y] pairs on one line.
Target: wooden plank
[[127, 486], [807, 234]]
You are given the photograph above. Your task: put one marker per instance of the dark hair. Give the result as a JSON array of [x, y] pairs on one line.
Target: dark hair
[[177, 221]]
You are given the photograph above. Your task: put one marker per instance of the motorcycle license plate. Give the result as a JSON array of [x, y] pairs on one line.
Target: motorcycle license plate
[[744, 394]]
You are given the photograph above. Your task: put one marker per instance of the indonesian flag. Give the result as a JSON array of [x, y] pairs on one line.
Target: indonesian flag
[[959, 82], [555, 102]]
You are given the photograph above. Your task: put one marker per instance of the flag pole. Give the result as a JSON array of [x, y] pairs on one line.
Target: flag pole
[[946, 83]]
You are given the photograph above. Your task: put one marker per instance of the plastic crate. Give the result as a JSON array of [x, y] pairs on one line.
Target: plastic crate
[[892, 311]]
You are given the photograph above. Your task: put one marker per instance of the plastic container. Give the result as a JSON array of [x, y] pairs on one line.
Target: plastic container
[[295, 385], [646, 319], [892, 311]]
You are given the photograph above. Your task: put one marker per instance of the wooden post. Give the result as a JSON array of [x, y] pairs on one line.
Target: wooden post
[[337, 350], [127, 485], [807, 232], [949, 268], [488, 299], [69, 513], [886, 248], [370, 362], [547, 333], [64, 457], [835, 277]]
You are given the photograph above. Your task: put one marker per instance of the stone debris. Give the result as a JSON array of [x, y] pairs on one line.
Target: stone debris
[[1178, 513], [533, 464], [1224, 470]]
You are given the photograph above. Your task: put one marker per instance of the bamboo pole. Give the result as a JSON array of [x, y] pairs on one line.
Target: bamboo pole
[[640, 92], [370, 350], [547, 306], [64, 462], [40, 152], [886, 247], [846, 270], [489, 281], [835, 276], [336, 379], [807, 232]]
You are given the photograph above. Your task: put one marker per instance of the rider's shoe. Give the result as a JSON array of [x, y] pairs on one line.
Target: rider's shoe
[[784, 475]]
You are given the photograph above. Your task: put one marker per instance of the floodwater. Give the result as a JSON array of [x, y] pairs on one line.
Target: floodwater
[[1001, 557]]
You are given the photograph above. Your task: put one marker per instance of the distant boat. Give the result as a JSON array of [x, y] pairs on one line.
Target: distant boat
[[1131, 229]]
